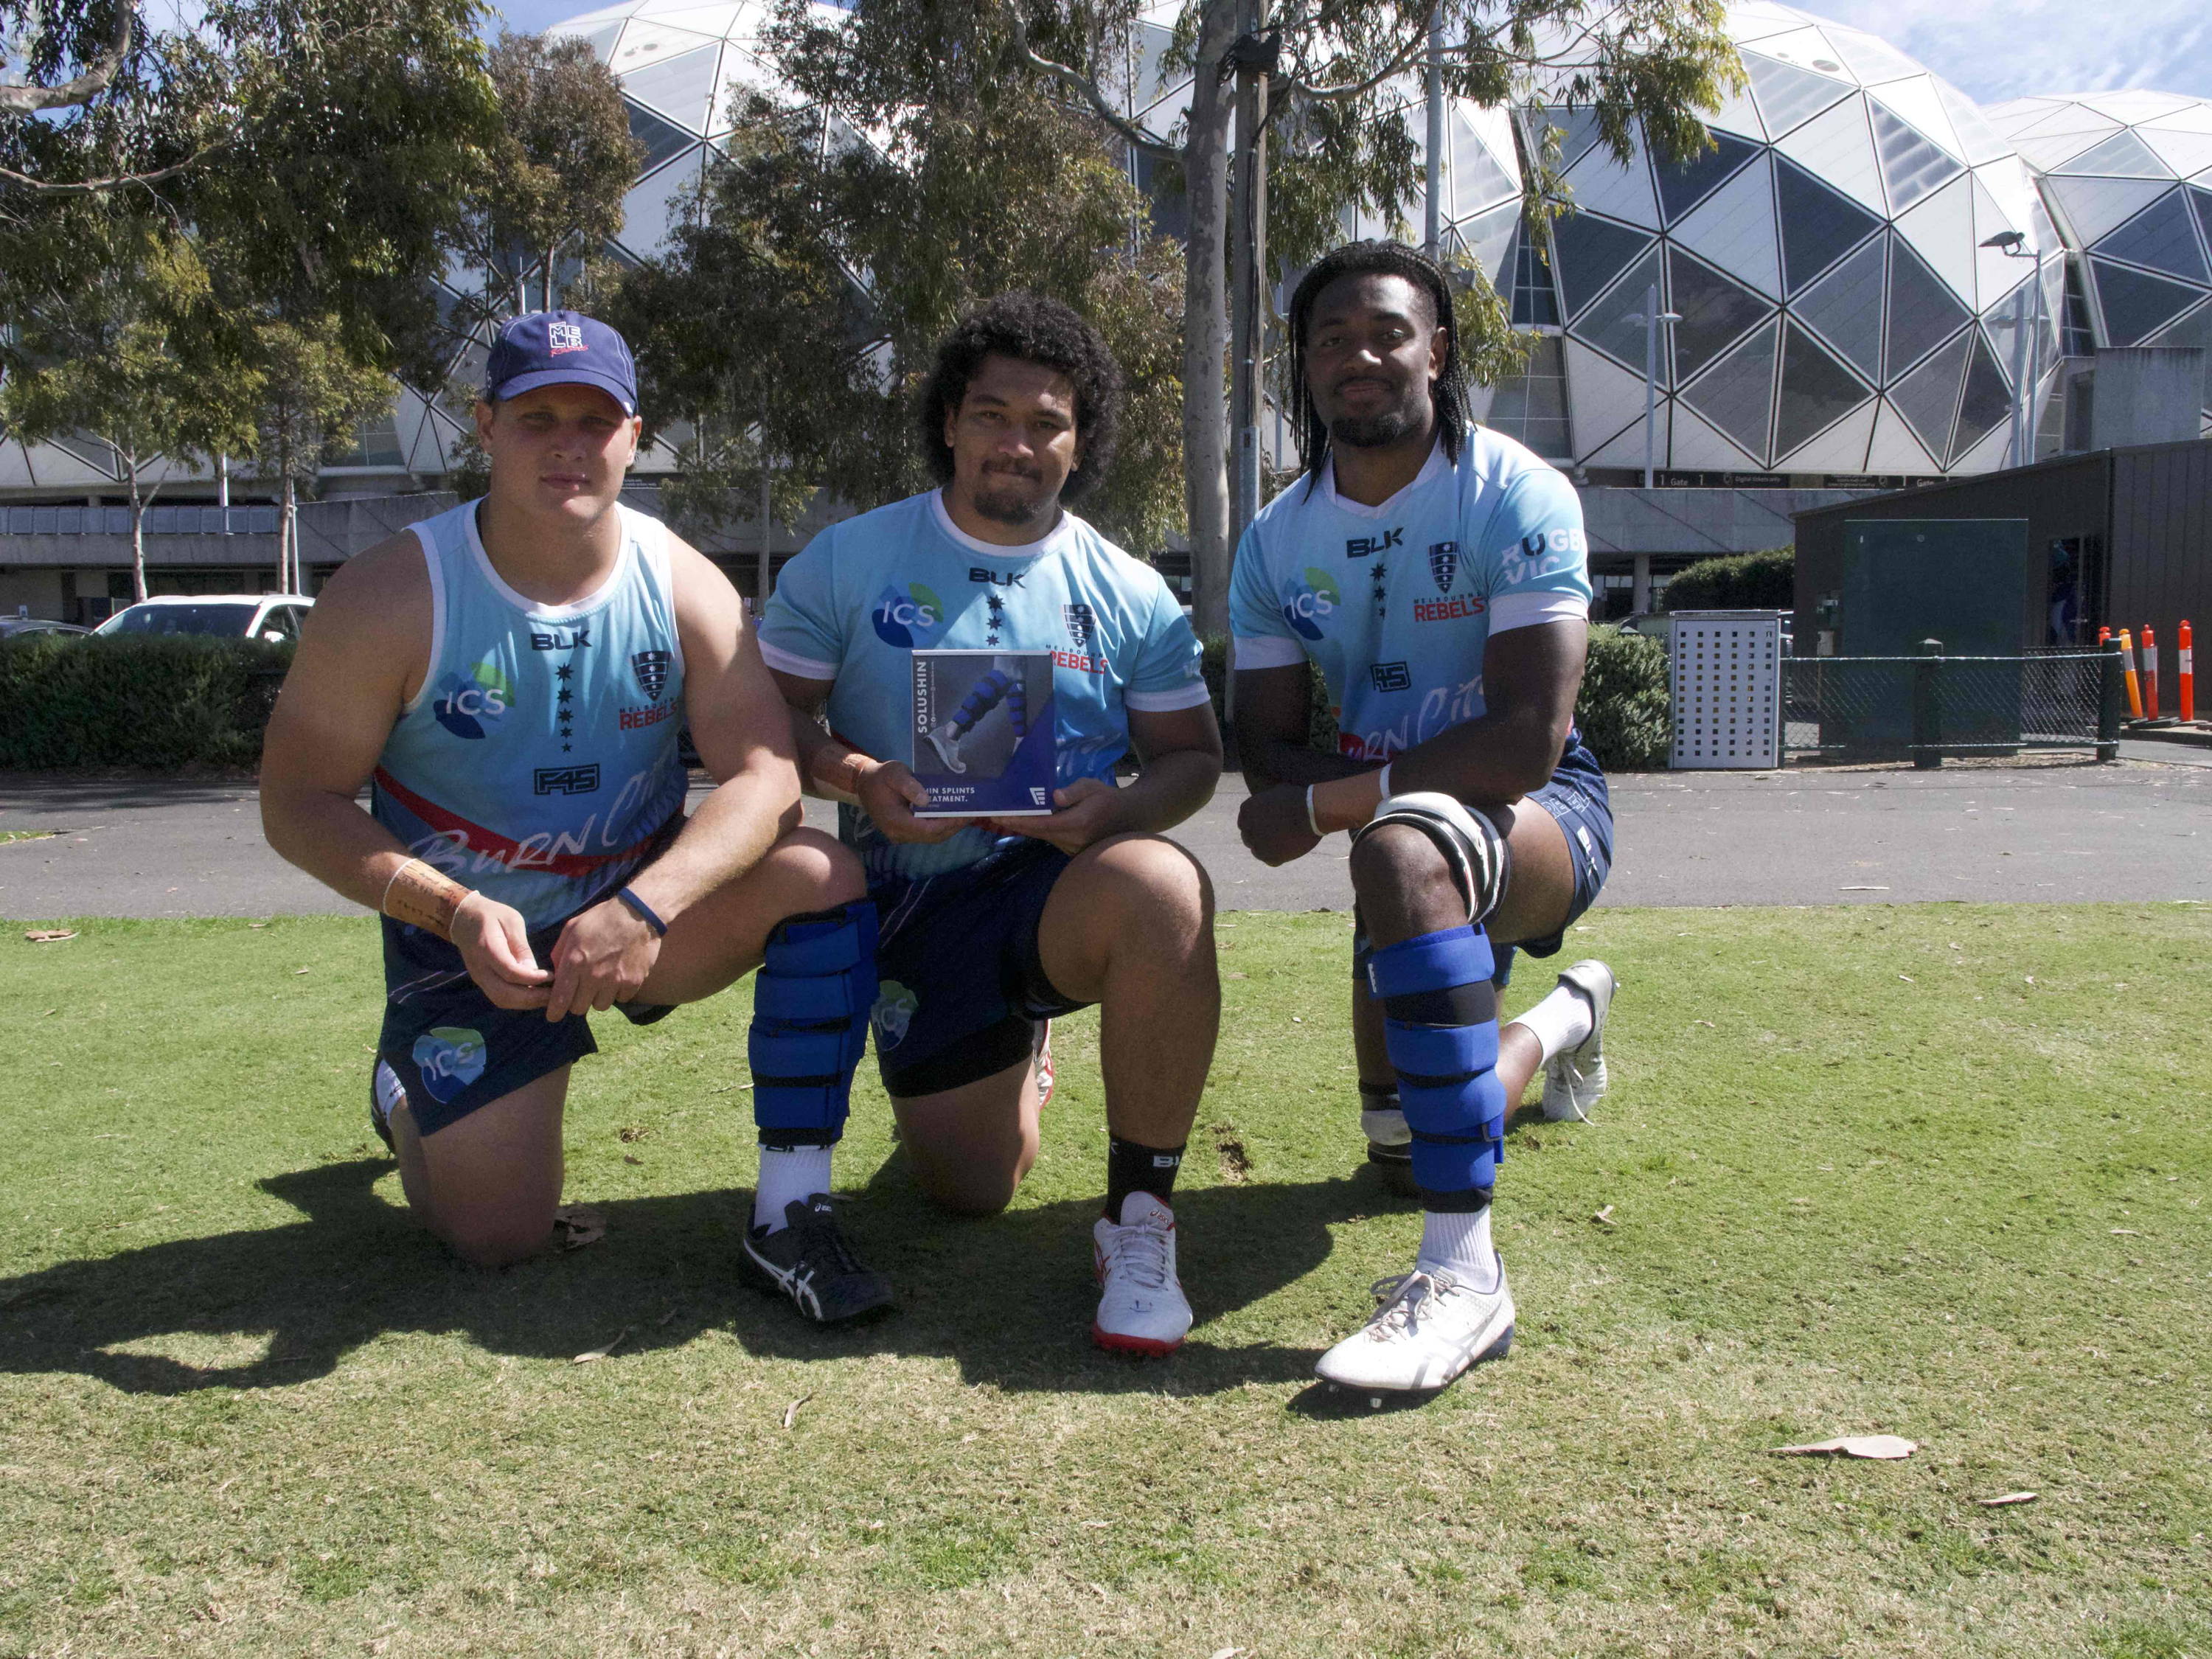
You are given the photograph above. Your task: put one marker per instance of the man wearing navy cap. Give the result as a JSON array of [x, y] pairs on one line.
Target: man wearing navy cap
[[509, 679]]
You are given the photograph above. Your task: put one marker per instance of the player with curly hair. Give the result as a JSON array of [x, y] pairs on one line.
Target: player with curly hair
[[990, 928]]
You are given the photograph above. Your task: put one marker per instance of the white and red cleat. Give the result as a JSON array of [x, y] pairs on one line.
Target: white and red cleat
[[1141, 1308]]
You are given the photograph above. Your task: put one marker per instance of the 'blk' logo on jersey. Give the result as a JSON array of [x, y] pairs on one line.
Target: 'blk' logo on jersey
[[651, 668], [1360, 547], [1444, 563]]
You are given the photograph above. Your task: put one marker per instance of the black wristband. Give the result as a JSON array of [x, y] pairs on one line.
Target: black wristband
[[644, 913]]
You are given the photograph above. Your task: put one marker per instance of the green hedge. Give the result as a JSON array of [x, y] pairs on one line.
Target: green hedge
[[1625, 710], [1622, 710], [70, 704], [1741, 581]]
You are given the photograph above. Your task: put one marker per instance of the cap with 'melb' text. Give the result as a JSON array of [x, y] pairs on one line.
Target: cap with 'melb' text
[[561, 348]]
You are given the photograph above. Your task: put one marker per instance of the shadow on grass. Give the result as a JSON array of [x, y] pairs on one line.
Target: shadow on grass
[[1010, 1298]]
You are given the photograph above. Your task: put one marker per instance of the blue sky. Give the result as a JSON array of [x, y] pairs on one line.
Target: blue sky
[[1991, 49]]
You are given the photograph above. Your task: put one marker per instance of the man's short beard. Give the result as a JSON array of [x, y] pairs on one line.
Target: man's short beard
[[1375, 431], [1010, 506]]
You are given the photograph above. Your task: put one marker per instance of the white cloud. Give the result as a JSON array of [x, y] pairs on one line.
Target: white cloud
[[1999, 49]]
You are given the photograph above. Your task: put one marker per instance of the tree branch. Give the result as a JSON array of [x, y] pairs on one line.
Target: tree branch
[[87, 186], [29, 100], [1076, 82]]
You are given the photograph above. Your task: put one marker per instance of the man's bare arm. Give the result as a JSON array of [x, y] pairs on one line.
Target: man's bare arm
[[1272, 724]]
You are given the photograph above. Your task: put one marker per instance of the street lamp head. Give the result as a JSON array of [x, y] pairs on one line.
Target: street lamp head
[[1637, 318], [2011, 241]]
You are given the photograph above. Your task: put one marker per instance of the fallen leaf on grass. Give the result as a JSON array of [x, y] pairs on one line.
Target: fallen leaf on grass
[[50, 935], [301, 970], [601, 1353], [2125, 1232], [1226, 1653], [2008, 1500], [791, 1412], [1887, 1447], [1908, 979], [1604, 1215], [579, 1225], [1862, 889]]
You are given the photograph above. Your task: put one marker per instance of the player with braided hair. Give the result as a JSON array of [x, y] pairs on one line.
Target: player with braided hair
[[1435, 572]]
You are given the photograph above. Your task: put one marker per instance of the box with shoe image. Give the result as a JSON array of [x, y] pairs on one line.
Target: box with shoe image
[[983, 743]]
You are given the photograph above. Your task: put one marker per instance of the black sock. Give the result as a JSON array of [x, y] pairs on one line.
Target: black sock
[[1132, 1167]]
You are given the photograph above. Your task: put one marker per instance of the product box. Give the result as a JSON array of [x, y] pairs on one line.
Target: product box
[[983, 743]]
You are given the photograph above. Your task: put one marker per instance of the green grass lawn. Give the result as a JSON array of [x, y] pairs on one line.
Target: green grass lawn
[[1938, 1171]]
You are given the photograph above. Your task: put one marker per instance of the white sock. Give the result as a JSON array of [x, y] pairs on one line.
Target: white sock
[[1560, 1021], [1457, 1242], [788, 1175]]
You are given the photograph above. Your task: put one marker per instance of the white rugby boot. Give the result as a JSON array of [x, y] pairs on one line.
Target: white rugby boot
[[1575, 1078], [1141, 1307], [946, 742], [1428, 1329]]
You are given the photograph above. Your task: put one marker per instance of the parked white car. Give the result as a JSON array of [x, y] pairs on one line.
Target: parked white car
[[274, 617]]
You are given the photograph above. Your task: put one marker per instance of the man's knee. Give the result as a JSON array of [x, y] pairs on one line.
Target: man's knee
[[821, 864], [1150, 876], [968, 1188], [494, 1239], [1395, 864]]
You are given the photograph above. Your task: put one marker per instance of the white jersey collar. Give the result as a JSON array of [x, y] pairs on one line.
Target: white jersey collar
[[1431, 470], [1062, 531]]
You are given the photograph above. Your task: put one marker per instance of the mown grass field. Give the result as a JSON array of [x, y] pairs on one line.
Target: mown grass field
[[1937, 1171]]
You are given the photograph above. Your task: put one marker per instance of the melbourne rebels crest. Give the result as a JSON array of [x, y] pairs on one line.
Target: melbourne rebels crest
[[1444, 563], [651, 668], [1082, 625]]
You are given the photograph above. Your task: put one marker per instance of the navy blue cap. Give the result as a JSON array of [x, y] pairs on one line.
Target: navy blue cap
[[561, 348]]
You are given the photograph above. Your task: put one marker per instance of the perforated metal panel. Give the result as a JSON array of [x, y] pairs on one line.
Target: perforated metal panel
[[1727, 682]]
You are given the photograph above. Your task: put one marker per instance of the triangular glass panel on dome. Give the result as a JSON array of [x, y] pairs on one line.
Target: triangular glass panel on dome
[[663, 139], [1893, 448], [1922, 310], [1734, 229], [1818, 225], [2184, 152], [1578, 131], [1788, 96], [1987, 402], [2123, 155], [1817, 390], [1475, 179], [1845, 307], [2200, 200], [1615, 323], [1487, 242], [2136, 305], [1617, 189], [1716, 311], [2162, 237], [1805, 48], [1928, 397], [1873, 59], [1684, 183], [1736, 394], [2197, 117], [1589, 252], [679, 88], [2094, 206], [1915, 103], [1981, 139], [656, 203], [1837, 149], [2045, 151], [1910, 166], [601, 39], [1940, 228], [1840, 447]]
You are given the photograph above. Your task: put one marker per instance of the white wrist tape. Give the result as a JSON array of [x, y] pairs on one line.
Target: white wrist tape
[[1312, 822]]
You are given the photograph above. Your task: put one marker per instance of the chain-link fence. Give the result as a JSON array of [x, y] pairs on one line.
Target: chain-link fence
[[1927, 706]]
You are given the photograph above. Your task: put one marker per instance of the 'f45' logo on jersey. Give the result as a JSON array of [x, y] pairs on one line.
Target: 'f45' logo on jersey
[[651, 668], [1444, 563], [1360, 547]]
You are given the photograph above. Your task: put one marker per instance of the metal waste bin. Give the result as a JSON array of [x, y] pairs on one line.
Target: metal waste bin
[[1725, 674]]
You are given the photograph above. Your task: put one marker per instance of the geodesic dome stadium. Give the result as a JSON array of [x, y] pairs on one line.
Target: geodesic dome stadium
[[2129, 177], [1838, 312]]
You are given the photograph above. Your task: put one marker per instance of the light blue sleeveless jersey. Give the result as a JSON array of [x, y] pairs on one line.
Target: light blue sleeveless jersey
[[865, 593], [1396, 604], [538, 763]]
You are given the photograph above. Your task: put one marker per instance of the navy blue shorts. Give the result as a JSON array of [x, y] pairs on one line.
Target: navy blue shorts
[[1578, 801], [454, 1048], [963, 987]]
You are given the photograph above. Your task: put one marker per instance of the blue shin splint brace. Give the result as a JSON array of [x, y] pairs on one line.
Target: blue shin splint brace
[[810, 1003], [1448, 1084], [985, 695]]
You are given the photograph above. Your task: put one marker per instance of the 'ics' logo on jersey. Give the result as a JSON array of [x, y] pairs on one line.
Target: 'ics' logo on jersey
[[450, 1058], [470, 707], [1307, 603], [910, 619]]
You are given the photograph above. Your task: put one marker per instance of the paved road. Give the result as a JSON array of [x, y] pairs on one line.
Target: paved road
[[2138, 830]]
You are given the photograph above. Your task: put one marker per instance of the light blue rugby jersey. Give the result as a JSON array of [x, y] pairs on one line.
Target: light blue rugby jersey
[[1394, 603], [538, 762], [868, 592]]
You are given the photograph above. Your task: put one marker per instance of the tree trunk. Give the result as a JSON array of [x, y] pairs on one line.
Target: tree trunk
[[287, 554], [1205, 327], [138, 533]]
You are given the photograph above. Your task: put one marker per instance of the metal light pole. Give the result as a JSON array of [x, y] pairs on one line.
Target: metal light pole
[[1254, 55], [2026, 366], [1651, 317], [1433, 219]]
